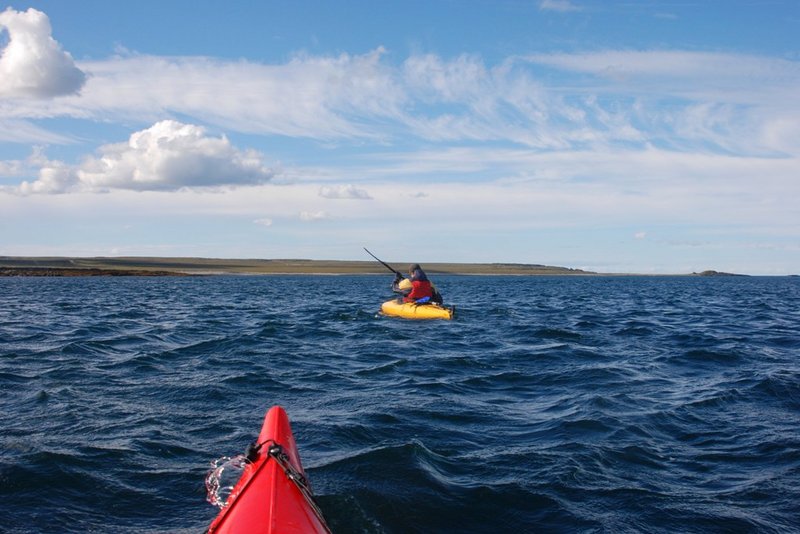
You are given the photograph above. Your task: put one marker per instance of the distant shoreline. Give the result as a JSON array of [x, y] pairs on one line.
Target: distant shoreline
[[136, 266], [62, 272], [18, 266]]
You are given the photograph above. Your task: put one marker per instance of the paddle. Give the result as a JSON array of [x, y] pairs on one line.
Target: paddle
[[398, 273]]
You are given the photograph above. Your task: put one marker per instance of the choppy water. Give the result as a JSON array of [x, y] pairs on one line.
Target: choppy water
[[548, 405]]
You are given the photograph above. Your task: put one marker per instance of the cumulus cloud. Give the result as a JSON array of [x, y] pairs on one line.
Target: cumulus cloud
[[344, 192], [33, 64], [54, 177], [170, 155], [165, 157]]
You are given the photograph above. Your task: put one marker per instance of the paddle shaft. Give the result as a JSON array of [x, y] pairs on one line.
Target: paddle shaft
[[384, 263]]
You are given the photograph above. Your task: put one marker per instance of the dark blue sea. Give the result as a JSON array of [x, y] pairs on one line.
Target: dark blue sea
[[550, 404]]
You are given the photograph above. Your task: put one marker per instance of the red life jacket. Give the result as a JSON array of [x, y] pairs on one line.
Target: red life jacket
[[419, 289]]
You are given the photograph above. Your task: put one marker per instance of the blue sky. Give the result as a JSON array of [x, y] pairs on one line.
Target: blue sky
[[635, 136]]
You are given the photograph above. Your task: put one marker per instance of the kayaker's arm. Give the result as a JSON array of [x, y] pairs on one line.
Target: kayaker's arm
[[401, 285]]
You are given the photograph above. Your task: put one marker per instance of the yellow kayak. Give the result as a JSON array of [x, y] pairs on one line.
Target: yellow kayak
[[410, 310]]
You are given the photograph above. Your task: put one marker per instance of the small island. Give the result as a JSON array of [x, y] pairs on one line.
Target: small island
[[716, 273]]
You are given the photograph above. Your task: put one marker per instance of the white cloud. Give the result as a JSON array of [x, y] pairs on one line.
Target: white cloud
[[170, 155], [344, 192], [263, 222], [314, 215], [640, 235], [33, 63], [54, 177], [165, 157]]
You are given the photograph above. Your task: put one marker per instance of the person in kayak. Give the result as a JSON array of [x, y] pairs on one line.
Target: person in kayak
[[416, 288]]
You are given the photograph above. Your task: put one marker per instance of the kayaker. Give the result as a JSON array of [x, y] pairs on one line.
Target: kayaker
[[416, 288]]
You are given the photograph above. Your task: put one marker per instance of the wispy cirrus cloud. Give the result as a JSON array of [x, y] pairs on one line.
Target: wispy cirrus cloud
[[692, 100], [628, 96], [24, 130], [323, 97], [674, 70], [677, 99]]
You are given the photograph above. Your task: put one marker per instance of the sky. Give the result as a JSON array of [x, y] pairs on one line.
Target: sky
[[654, 137]]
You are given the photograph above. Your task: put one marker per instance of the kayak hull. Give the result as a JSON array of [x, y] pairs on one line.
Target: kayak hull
[[410, 310], [265, 500]]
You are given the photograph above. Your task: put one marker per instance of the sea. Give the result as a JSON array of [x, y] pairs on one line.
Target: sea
[[549, 404]]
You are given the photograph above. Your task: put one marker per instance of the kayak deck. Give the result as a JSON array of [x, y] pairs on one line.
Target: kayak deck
[[272, 494], [411, 310]]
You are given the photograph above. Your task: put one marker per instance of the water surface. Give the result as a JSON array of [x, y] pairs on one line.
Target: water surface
[[551, 404]]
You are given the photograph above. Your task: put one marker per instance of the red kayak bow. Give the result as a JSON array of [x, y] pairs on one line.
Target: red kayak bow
[[272, 496]]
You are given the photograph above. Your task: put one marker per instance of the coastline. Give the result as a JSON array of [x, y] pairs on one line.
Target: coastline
[[152, 266]]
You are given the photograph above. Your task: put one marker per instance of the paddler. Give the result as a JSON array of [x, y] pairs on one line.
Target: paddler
[[416, 288]]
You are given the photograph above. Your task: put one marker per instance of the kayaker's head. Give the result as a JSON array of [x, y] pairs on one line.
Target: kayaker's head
[[416, 272]]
